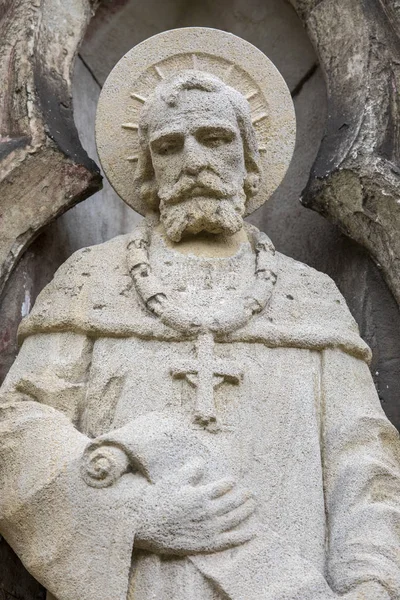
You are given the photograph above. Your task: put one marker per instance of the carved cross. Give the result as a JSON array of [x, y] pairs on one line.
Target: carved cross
[[206, 373]]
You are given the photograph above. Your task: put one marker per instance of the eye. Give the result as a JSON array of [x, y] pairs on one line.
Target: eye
[[167, 146], [215, 139]]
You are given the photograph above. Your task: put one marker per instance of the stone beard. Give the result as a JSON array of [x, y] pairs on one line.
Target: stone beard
[[199, 159], [208, 424]]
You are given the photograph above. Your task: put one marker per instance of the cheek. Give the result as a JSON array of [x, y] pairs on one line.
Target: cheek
[[165, 168], [231, 157]]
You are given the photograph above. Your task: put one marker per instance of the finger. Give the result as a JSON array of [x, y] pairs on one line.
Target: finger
[[237, 516], [219, 488], [192, 472], [230, 501], [237, 537]]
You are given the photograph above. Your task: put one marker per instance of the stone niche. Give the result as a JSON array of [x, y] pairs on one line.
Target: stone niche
[[275, 28]]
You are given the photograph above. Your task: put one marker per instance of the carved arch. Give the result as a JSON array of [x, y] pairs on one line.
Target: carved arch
[[355, 180], [43, 168]]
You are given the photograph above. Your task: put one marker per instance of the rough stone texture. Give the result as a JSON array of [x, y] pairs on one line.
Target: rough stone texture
[[15, 581], [355, 178], [274, 27], [99, 218], [204, 407], [103, 215], [233, 61], [44, 169], [306, 236], [53, 367]]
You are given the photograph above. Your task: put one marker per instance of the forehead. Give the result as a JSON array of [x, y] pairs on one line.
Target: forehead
[[194, 108]]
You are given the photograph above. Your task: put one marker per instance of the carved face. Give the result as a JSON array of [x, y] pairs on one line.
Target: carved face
[[197, 155]]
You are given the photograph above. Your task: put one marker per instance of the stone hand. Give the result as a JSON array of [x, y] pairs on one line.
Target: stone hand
[[182, 516]]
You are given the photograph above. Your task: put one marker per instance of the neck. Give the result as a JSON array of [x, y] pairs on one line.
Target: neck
[[207, 244]]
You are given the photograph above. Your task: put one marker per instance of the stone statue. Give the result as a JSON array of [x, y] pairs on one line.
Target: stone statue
[[191, 414]]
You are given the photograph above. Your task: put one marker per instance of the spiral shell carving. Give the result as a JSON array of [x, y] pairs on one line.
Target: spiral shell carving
[[102, 465]]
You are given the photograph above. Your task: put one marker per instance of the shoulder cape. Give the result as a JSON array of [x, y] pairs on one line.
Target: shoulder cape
[[93, 293]]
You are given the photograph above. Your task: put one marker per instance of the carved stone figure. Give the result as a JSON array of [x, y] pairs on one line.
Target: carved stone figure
[[191, 414]]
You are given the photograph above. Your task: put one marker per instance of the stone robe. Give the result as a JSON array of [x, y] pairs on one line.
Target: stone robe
[[303, 430]]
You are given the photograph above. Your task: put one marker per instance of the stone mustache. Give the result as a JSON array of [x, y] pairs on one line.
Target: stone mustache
[[191, 414]]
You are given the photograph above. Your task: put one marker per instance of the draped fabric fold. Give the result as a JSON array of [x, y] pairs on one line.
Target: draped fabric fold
[[304, 431]]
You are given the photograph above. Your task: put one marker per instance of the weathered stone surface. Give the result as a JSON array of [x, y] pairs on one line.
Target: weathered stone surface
[[103, 215], [355, 178], [44, 169], [239, 65], [97, 219], [15, 581], [274, 27], [308, 237], [271, 25], [169, 382]]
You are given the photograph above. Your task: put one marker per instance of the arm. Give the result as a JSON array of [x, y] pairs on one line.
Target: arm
[[361, 456], [72, 529], [361, 460], [76, 540], [216, 543], [51, 369]]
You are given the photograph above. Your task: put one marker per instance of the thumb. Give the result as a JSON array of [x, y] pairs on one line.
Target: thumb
[[191, 473]]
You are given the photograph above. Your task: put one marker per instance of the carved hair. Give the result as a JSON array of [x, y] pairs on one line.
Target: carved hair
[[168, 91]]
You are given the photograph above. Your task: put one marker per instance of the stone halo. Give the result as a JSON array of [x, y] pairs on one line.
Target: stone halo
[[234, 60]]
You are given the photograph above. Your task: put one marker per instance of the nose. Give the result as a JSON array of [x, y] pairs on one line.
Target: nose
[[195, 158]]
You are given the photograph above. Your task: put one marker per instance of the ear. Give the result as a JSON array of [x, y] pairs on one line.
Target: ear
[[251, 184]]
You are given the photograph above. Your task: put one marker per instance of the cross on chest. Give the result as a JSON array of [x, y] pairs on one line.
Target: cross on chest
[[205, 373]]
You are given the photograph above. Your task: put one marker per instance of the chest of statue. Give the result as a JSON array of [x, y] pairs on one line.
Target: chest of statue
[[255, 406]]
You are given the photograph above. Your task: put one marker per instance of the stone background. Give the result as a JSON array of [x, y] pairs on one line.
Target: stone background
[[274, 27]]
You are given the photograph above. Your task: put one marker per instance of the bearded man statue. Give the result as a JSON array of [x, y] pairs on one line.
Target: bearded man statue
[[191, 414]]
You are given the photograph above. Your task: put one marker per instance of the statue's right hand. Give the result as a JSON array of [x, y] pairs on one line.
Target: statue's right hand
[[182, 516]]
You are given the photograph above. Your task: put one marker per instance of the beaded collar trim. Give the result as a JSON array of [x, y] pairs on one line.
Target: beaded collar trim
[[161, 301]]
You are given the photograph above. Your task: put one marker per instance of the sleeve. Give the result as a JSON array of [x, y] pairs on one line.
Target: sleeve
[[51, 369], [361, 459], [75, 539]]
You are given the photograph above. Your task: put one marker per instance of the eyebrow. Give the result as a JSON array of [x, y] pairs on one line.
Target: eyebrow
[[166, 132], [161, 134]]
